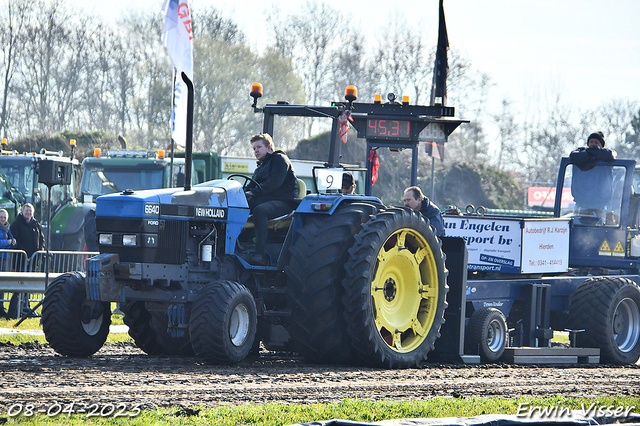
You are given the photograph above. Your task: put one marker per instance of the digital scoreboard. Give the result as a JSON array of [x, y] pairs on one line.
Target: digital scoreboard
[[388, 129]]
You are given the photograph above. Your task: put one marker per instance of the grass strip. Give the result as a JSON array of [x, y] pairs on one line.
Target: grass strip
[[277, 414]]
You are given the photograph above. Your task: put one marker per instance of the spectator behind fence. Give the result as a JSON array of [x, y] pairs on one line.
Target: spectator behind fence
[[6, 242], [30, 238], [27, 231]]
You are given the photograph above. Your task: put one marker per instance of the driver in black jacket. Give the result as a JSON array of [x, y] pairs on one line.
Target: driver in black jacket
[[276, 193]]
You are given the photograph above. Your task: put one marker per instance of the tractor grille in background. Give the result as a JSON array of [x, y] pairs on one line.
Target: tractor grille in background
[[172, 242]]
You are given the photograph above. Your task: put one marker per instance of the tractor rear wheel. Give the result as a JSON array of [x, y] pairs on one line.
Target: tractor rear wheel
[[223, 323], [395, 289], [138, 319], [487, 334], [73, 325], [608, 309], [314, 289]]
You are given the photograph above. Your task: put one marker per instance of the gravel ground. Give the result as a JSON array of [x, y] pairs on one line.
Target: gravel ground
[[122, 375]]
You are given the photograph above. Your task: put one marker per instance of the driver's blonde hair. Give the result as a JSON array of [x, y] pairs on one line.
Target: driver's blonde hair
[[266, 137]]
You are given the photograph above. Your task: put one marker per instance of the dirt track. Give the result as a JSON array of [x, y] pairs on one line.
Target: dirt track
[[122, 374]]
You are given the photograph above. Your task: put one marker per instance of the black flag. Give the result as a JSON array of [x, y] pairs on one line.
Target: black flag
[[439, 87]]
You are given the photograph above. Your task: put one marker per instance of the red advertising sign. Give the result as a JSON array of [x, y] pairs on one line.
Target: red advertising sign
[[545, 196]]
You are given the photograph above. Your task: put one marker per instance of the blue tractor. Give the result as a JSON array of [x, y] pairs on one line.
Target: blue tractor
[[349, 279]]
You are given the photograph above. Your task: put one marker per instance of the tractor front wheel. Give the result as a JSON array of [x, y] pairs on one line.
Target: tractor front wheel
[[73, 325]]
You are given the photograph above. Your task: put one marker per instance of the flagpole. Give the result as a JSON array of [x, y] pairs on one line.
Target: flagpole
[[173, 99], [189, 140]]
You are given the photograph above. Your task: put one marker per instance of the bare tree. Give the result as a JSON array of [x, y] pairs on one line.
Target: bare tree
[[508, 134], [43, 52], [615, 120], [312, 39], [403, 62], [546, 142], [349, 68], [150, 108], [15, 16]]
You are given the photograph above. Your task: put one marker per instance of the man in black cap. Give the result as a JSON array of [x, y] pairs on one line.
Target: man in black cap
[[591, 186], [348, 184]]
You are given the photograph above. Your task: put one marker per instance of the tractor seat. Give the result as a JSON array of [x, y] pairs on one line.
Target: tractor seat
[[282, 222]]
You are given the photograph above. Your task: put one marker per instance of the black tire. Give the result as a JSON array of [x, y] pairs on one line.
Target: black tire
[[314, 275], [223, 323], [73, 325], [13, 312], [170, 345], [608, 309], [138, 319], [384, 303], [487, 334]]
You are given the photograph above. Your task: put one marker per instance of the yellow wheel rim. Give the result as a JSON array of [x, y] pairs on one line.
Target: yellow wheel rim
[[404, 290]]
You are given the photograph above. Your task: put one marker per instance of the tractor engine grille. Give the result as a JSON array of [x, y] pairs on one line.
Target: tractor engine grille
[[157, 241], [172, 242]]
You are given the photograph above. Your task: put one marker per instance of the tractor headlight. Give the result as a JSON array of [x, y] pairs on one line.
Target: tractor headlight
[[129, 240], [106, 239]]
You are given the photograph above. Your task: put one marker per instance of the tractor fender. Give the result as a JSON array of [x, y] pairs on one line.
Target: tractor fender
[[311, 203], [70, 218]]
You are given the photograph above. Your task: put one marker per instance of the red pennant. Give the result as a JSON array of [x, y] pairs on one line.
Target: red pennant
[[345, 117], [375, 165]]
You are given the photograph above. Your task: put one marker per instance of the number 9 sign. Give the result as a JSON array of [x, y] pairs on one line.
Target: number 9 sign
[[329, 179]]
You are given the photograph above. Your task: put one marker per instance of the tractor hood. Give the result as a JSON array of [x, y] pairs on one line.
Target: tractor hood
[[210, 200]]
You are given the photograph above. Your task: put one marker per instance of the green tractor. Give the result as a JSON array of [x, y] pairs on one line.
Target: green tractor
[[19, 185]]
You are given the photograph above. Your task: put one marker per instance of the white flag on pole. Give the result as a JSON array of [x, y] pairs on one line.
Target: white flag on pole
[[177, 37]]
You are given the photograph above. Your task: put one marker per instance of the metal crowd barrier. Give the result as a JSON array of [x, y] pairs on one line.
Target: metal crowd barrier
[[27, 275]]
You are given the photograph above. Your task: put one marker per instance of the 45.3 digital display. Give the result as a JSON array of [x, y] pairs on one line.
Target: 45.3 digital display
[[388, 129]]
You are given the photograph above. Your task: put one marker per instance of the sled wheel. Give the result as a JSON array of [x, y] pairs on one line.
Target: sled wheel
[[608, 309], [223, 323], [487, 334], [73, 325], [395, 289]]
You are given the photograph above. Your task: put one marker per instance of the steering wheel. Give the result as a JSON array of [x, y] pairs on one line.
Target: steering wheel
[[247, 179]]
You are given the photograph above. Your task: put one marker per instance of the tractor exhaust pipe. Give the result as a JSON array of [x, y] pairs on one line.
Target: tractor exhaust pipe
[[189, 142]]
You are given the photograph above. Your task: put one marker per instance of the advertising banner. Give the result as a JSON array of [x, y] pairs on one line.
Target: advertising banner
[[493, 244], [512, 245], [545, 246]]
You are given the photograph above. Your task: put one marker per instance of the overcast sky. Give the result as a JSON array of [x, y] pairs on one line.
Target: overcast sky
[[588, 51]]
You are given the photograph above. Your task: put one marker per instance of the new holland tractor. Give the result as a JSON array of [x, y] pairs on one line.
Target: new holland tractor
[[349, 280]]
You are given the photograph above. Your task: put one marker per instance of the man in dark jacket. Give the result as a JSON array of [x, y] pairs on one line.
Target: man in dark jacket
[[415, 199], [27, 231], [274, 197], [592, 186], [30, 238]]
